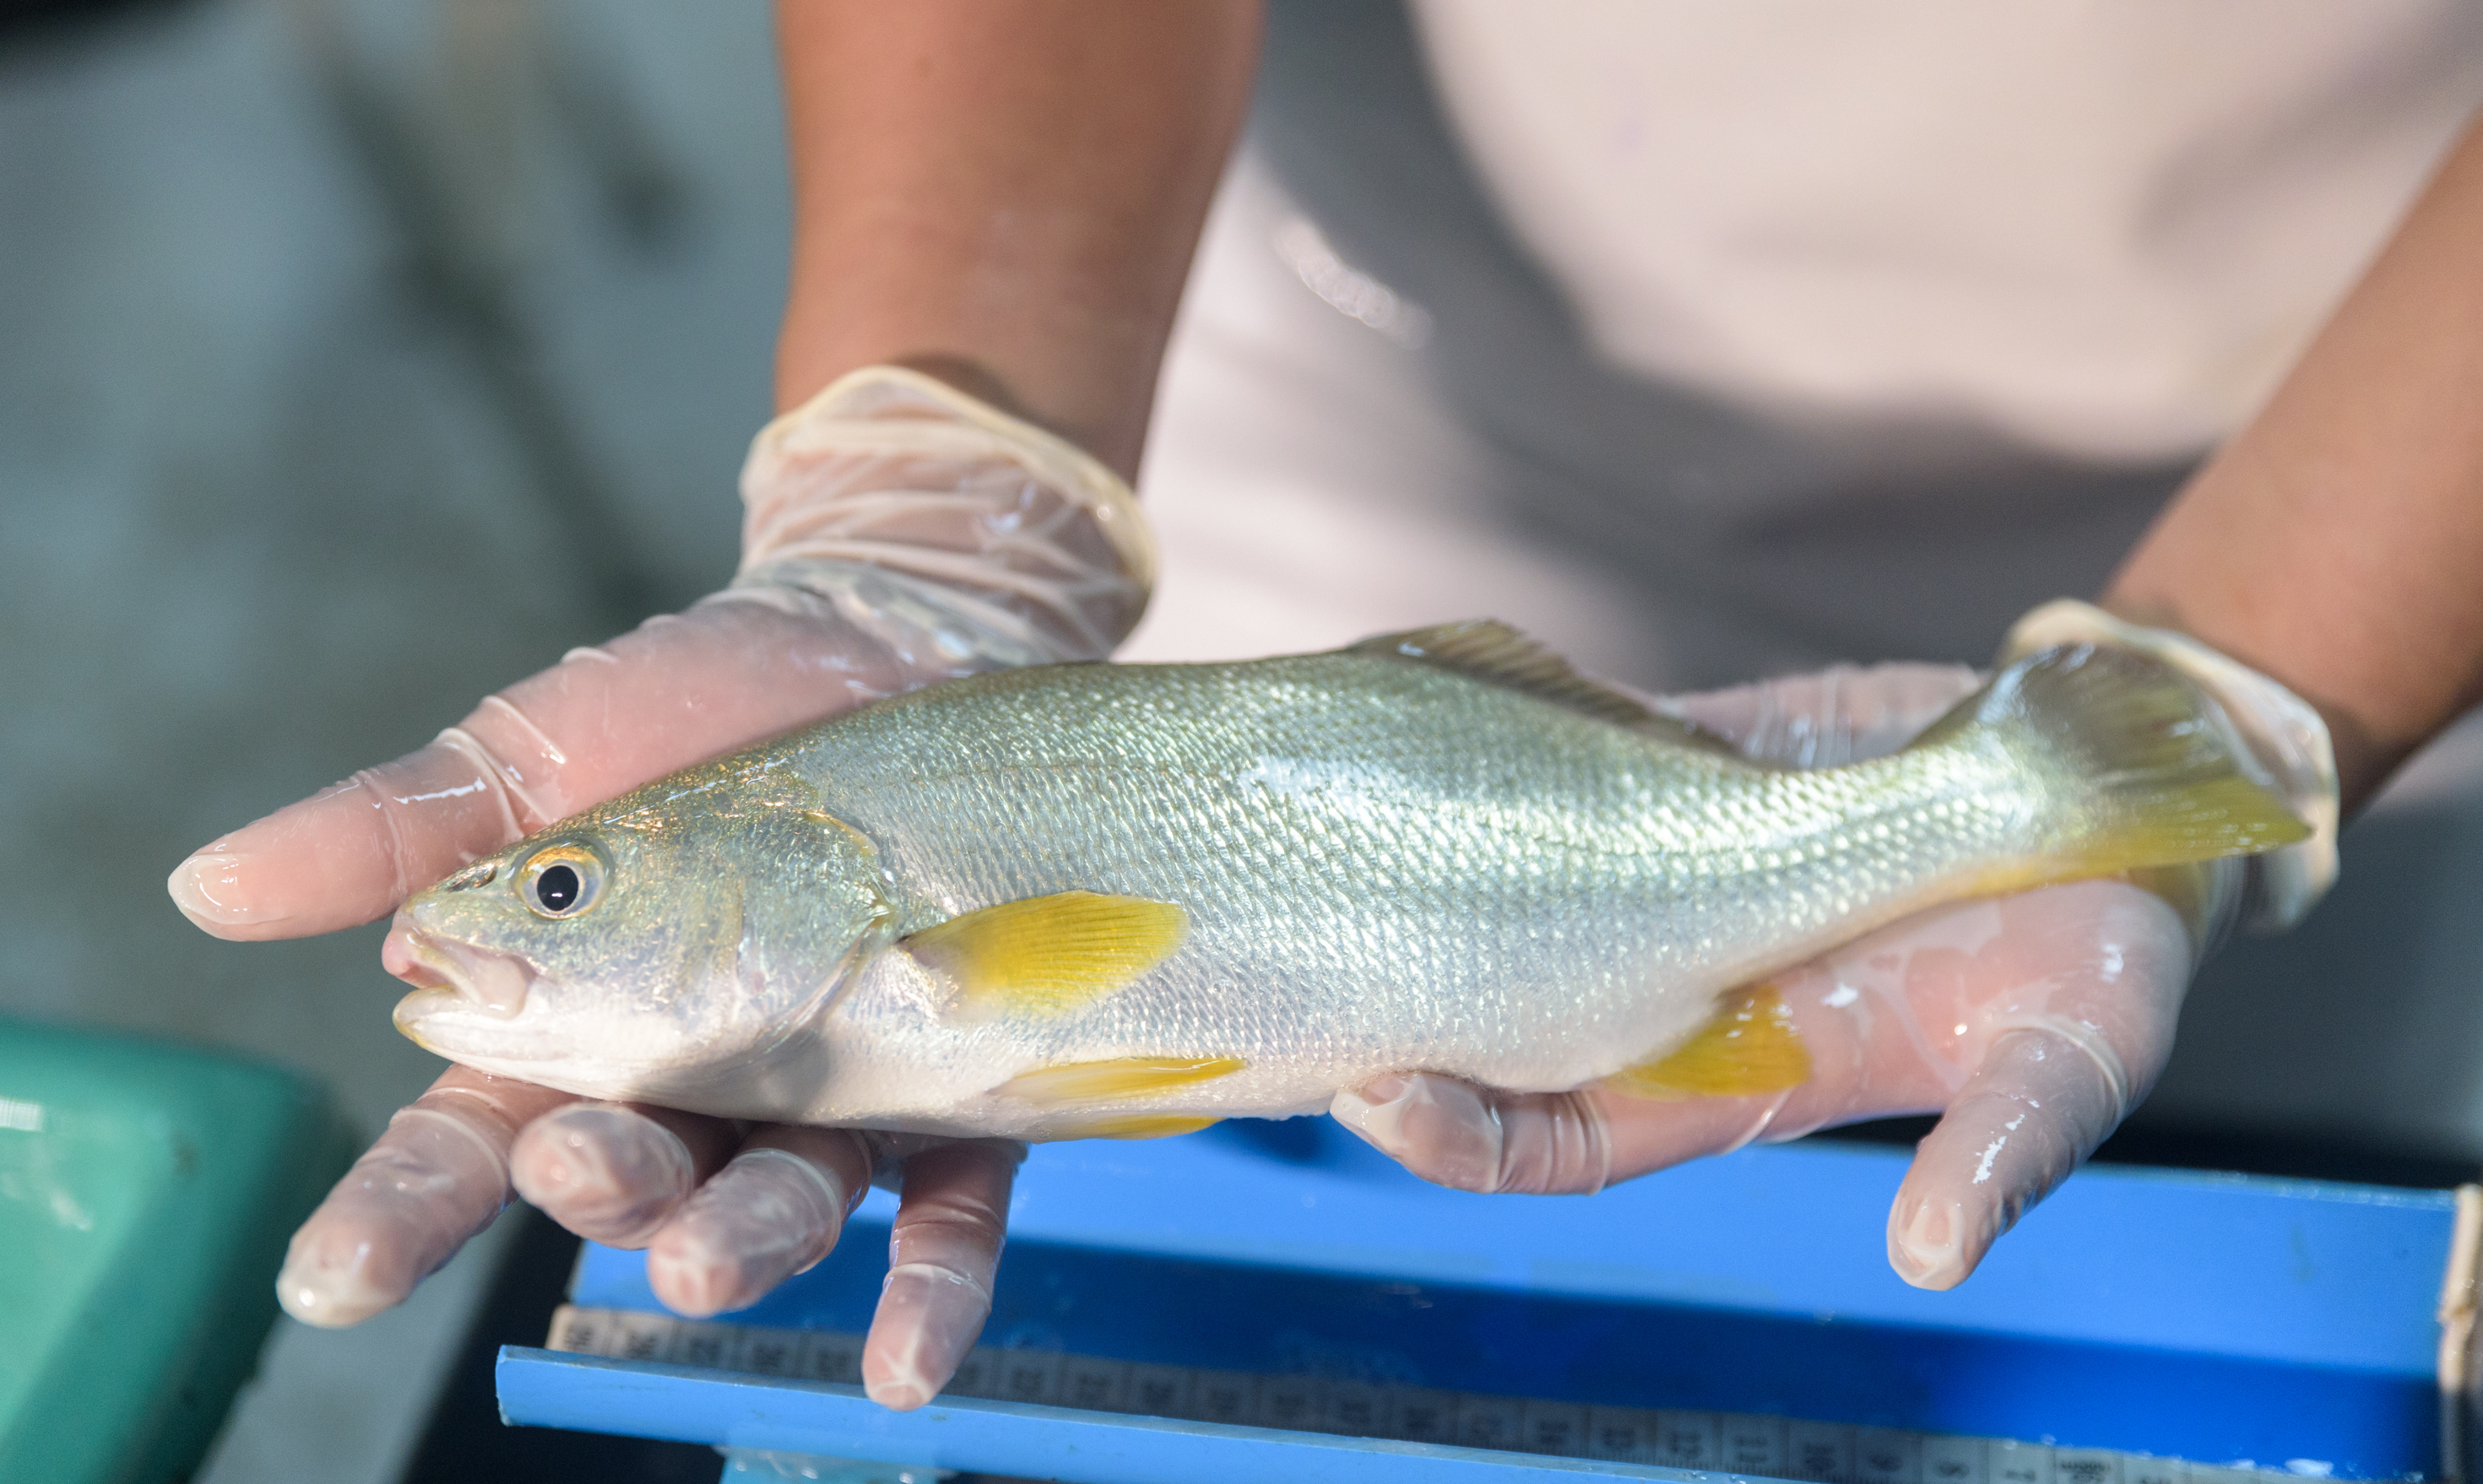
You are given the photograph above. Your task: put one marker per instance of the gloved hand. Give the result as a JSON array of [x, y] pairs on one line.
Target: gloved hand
[[898, 533], [2032, 1023]]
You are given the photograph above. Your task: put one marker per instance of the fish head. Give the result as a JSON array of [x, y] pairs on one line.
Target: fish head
[[649, 946]]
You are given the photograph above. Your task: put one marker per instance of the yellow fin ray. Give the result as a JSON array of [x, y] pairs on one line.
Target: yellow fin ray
[[2226, 816], [1140, 1126], [1123, 1077], [2158, 778], [1749, 1047], [1048, 955]]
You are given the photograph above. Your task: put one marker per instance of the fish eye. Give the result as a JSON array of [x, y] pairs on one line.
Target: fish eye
[[560, 881]]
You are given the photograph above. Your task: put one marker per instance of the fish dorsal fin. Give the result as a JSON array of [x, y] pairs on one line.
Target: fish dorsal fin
[[1492, 652], [1048, 955]]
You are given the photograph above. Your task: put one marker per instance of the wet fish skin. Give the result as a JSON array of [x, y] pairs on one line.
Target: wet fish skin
[[1381, 862]]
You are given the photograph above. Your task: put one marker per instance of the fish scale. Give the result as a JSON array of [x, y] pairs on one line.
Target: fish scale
[[1441, 851], [1266, 850]]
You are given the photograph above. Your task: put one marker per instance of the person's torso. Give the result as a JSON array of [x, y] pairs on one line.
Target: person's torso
[[2100, 230]]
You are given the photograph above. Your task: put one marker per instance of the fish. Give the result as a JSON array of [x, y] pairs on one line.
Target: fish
[[1099, 900]]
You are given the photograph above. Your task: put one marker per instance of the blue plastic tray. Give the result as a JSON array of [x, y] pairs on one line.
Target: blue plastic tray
[[2212, 1318]]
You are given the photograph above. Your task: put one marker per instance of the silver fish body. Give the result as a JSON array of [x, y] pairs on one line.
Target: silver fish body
[[1438, 851]]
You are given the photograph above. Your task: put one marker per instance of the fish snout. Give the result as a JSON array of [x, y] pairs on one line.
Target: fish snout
[[487, 979]]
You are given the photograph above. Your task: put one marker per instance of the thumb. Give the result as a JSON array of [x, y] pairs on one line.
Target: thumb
[[666, 695], [2030, 1114]]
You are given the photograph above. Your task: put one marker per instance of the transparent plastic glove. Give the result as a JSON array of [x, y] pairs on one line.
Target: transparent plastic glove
[[898, 533], [725, 1215], [2032, 1023], [2286, 748], [438, 1175]]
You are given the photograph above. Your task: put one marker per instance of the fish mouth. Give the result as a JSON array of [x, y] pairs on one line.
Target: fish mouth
[[447, 975]]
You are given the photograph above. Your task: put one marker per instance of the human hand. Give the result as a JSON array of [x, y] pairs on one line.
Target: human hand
[[2033, 1023], [897, 533], [725, 1211]]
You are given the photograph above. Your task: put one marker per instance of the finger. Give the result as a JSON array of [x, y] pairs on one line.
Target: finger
[[436, 1177], [613, 1172], [776, 1209], [1456, 1134], [2032, 1113], [676, 690], [943, 1252]]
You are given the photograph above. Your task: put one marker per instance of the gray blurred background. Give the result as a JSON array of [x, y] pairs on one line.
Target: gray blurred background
[[359, 358], [322, 327]]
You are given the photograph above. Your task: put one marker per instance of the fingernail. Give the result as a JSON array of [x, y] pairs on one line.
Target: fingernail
[[927, 1319], [1926, 1249], [1375, 1111], [209, 889], [328, 1295], [687, 1278], [897, 1395]]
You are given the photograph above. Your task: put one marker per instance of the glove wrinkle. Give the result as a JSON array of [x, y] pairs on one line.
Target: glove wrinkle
[[2087, 1037], [522, 815], [1762, 1130]]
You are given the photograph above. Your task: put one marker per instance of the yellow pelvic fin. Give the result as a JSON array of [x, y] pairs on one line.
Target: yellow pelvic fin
[[1141, 1125], [1048, 955], [1749, 1047], [1123, 1077]]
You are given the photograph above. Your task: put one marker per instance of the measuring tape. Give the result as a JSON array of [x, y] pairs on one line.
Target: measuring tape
[[1739, 1442]]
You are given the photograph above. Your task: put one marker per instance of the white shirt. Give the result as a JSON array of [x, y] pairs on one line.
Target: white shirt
[[2102, 229]]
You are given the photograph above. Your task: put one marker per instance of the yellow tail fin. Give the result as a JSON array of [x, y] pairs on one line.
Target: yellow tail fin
[[2140, 767]]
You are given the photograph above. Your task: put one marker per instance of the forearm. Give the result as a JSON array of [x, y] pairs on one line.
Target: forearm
[[1005, 193], [2337, 543]]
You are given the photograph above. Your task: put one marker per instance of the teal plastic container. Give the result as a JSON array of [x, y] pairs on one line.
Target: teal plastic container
[[146, 1192]]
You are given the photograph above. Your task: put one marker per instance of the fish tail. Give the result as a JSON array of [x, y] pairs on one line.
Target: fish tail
[[2139, 768]]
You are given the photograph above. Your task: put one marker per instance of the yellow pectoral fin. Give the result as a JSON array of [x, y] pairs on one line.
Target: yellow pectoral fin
[[1749, 1047], [1048, 955], [1123, 1077]]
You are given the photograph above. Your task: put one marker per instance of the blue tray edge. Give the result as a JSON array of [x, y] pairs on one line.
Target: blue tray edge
[[547, 1389]]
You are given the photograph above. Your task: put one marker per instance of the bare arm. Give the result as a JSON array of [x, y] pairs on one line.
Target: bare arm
[[2337, 543], [1005, 193]]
